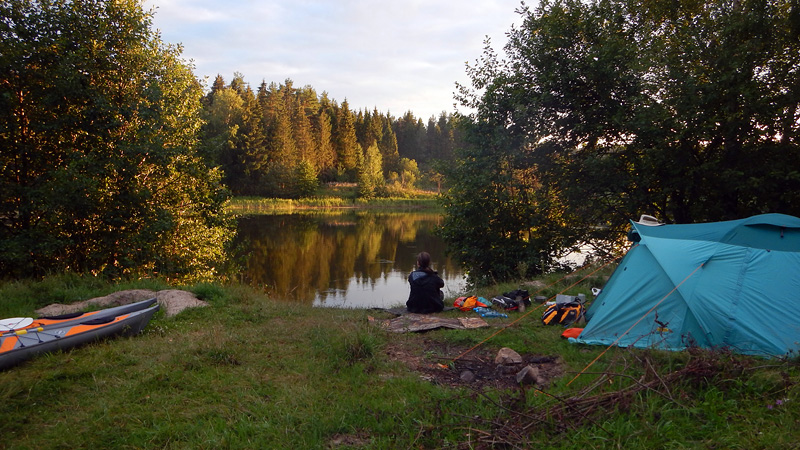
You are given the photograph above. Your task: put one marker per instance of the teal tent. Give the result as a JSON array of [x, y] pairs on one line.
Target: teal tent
[[733, 284]]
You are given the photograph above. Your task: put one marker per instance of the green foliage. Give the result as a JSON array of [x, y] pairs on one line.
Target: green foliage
[[370, 174], [498, 217], [98, 125], [307, 182], [409, 172], [612, 109]]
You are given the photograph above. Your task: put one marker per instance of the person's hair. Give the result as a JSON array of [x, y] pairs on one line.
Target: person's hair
[[424, 262]]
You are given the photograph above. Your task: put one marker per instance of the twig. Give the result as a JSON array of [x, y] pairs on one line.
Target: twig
[[644, 386]]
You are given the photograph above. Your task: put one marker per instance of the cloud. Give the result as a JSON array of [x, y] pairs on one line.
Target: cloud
[[395, 56]]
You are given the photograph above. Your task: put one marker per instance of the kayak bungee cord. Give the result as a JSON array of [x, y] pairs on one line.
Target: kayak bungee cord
[[27, 332]]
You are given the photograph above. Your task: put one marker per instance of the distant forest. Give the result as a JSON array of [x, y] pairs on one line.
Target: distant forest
[[282, 141]]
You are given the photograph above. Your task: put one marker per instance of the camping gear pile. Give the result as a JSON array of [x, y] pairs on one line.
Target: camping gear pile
[[515, 300], [708, 285]]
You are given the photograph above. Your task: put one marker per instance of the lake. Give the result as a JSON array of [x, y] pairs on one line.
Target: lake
[[347, 258]]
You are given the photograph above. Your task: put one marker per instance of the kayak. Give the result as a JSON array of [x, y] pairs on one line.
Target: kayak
[[19, 323], [22, 344]]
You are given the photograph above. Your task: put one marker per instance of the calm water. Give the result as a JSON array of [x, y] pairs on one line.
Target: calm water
[[343, 259]]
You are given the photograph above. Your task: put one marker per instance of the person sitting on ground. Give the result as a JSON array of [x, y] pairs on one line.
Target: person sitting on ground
[[426, 295]]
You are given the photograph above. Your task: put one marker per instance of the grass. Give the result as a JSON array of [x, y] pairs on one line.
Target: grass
[[248, 372]]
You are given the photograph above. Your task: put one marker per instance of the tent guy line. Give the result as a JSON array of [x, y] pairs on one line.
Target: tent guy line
[[634, 325]]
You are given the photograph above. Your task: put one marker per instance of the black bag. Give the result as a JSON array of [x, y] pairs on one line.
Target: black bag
[[501, 301], [563, 313], [520, 296]]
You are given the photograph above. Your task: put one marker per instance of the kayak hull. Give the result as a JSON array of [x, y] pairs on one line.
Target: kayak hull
[[65, 319], [16, 347]]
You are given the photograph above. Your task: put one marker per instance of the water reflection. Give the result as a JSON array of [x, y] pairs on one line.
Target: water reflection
[[355, 259]]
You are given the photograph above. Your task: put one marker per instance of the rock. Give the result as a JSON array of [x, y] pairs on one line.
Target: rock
[[528, 375], [506, 356], [111, 300], [467, 376], [172, 301]]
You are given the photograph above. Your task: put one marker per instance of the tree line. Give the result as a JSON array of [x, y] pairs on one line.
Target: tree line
[[282, 141]]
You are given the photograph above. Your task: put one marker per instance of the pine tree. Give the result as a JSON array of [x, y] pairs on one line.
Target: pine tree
[[252, 146], [218, 85], [325, 158], [301, 130], [348, 149], [410, 133], [388, 147]]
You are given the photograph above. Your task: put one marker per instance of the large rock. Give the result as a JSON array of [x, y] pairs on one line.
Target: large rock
[[528, 375], [172, 301]]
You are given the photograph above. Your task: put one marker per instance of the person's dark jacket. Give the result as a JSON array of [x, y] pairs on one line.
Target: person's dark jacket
[[426, 296]]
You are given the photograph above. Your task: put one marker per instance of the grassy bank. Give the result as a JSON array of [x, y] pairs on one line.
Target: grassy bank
[[249, 372], [342, 195]]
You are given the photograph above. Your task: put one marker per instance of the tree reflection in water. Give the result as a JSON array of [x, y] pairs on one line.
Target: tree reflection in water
[[346, 259]]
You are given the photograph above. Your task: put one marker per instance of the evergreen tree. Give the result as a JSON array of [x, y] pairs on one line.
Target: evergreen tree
[[252, 145], [388, 147], [238, 84], [348, 149], [302, 131], [325, 158], [218, 85], [432, 142], [410, 133], [281, 150]]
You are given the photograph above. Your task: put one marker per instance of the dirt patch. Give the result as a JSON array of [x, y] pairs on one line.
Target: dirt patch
[[442, 363], [349, 441], [172, 301]]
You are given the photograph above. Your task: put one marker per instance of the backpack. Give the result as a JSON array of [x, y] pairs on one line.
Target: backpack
[[563, 313], [520, 296], [501, 301]]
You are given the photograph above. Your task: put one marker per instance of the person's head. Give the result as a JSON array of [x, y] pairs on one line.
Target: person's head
[[424, 260]]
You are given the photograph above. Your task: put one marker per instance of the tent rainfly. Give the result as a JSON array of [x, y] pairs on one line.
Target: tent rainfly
[[733, 284]]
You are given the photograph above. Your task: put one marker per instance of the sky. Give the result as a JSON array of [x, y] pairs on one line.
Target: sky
[[396, 56]]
